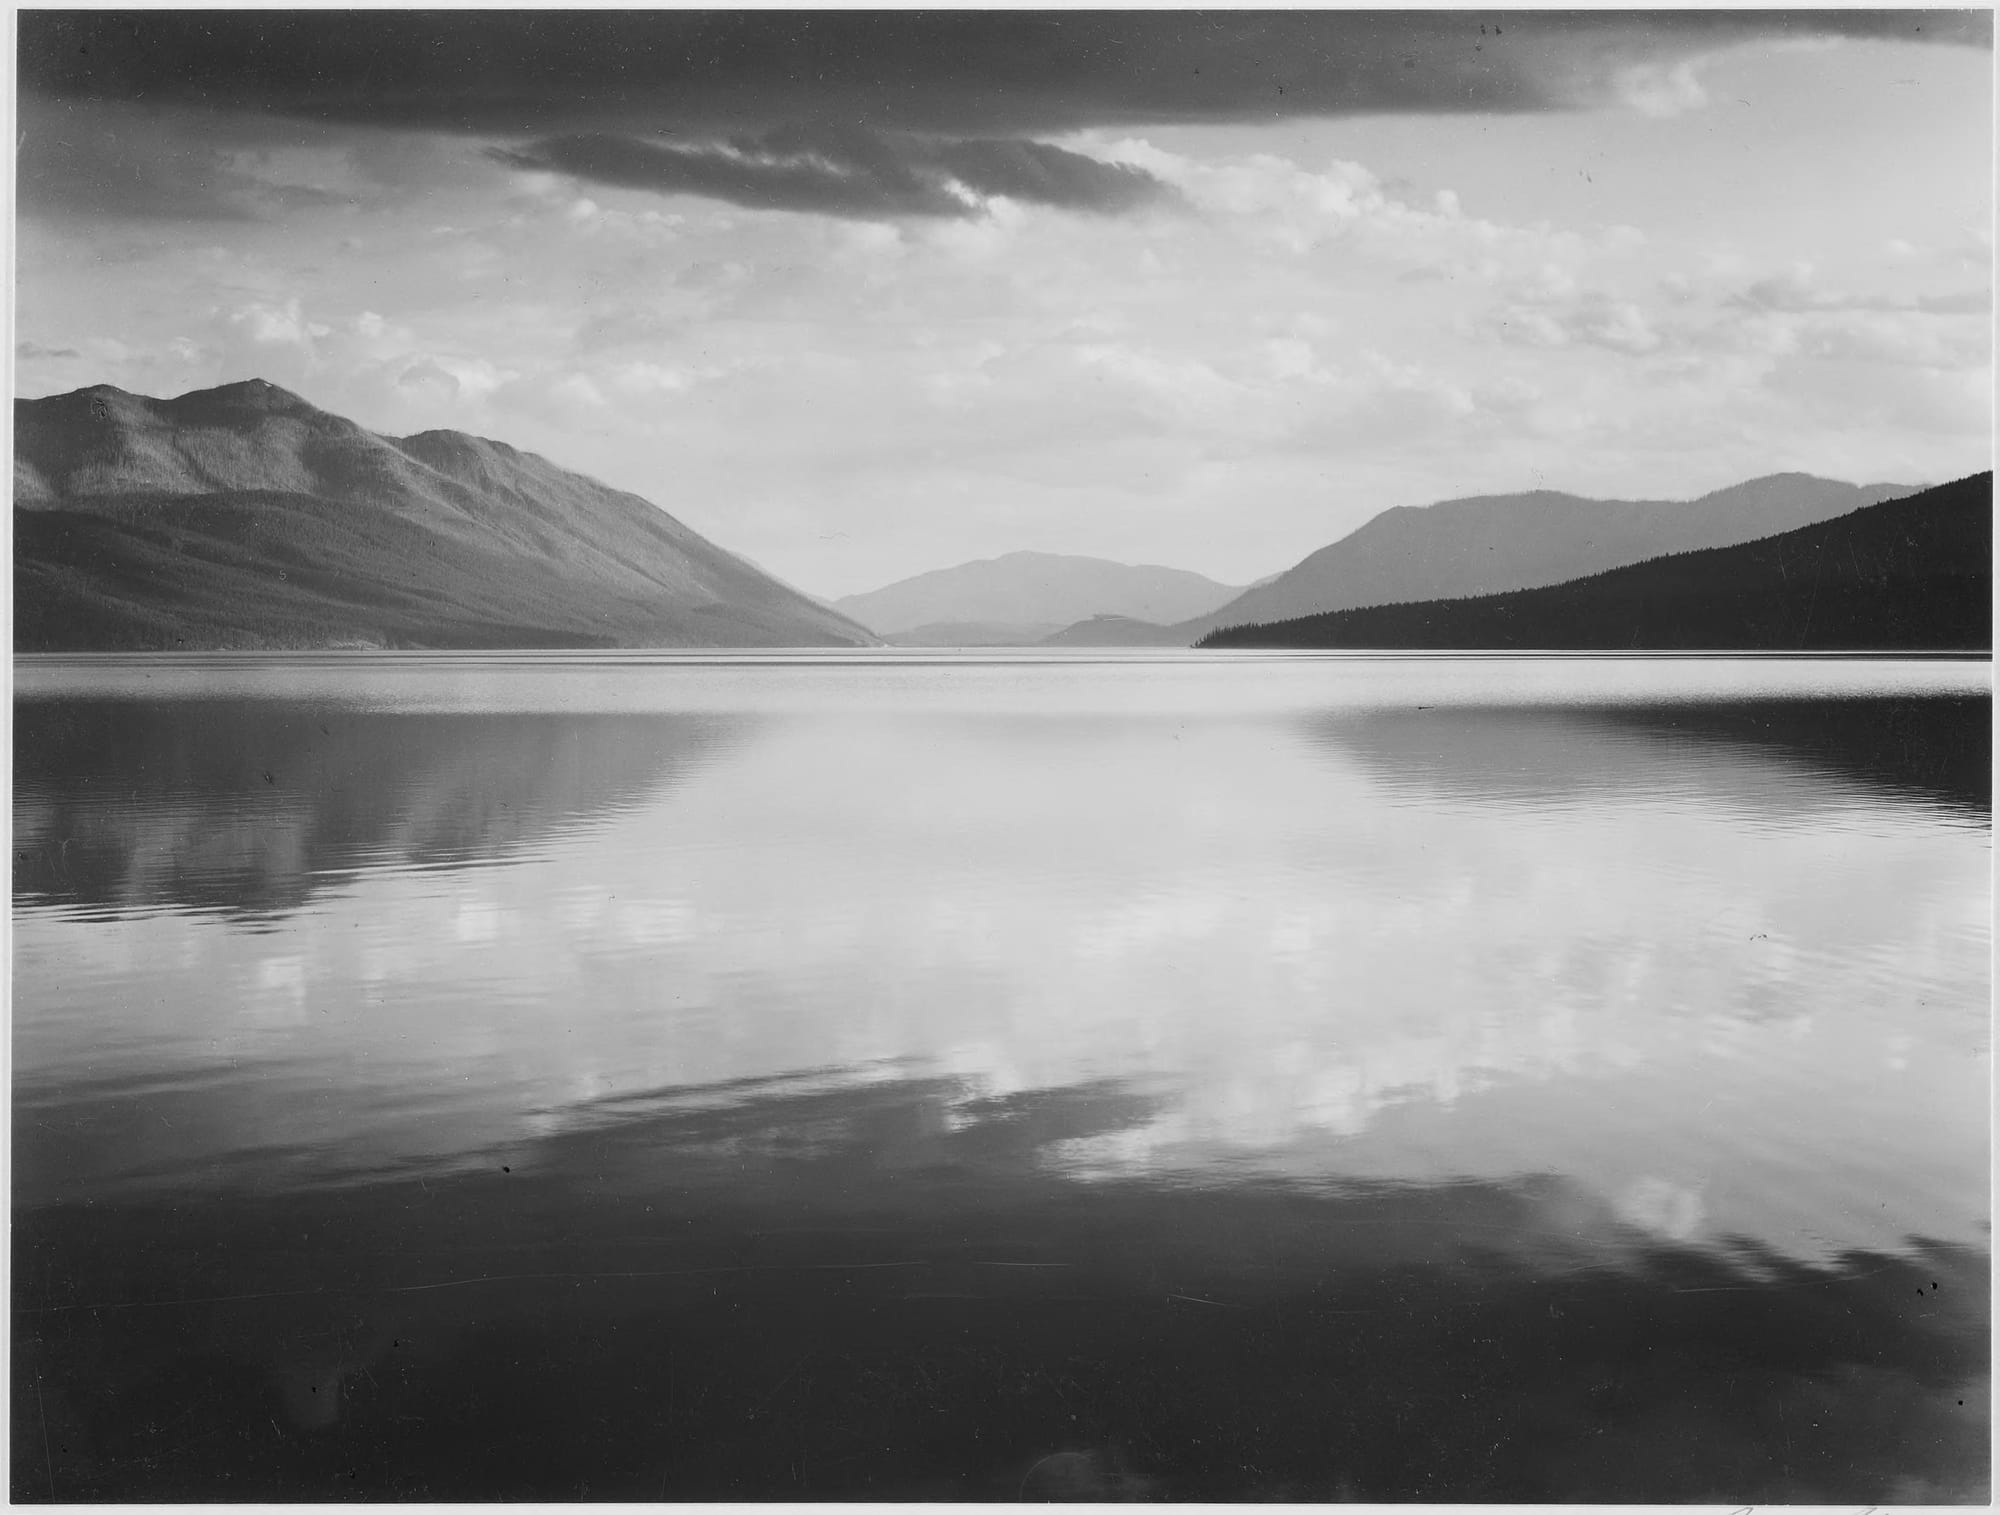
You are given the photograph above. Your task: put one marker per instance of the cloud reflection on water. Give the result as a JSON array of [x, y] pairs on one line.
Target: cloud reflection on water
[[1286, 1099], [718, 1290], [1383, 944]]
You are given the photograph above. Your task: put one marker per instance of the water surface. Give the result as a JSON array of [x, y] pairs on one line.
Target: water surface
[[881, 1076]]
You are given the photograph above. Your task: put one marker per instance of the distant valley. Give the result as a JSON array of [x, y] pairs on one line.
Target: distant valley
[[1024, 597], [1117, 631], [244, 517], [972, 634]]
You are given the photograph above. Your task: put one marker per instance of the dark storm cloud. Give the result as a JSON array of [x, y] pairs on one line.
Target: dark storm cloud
[[708, 102], [959, 73], [145, 174], [847, 171], [1048, 175], [147, 163]]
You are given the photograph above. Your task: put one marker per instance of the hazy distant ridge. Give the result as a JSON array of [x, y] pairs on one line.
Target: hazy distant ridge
[[1038, 591], [1912, 574], [1488, 544], [245, 517]]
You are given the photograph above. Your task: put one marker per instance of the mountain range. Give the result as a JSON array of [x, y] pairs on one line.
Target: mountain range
[[244, 517], [1487, 544], [1908, 574], [1023, 597]]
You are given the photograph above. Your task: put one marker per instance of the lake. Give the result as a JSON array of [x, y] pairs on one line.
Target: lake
[[952, 1076]]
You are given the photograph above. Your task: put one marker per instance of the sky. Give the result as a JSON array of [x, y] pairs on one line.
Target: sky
[[863, 294]]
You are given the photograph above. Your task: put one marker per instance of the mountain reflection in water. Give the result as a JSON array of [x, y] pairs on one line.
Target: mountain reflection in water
[[875, 1097], [1937, 749], [250, 807], [870, 1292]]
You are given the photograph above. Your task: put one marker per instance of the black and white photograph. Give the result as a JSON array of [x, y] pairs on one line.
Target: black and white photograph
[[944, 755]]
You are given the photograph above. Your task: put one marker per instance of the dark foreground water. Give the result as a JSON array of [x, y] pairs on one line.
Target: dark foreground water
[[947, 1077]]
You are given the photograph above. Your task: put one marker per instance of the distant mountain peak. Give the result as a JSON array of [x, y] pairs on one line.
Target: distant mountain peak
[[247, 394], [443, 437], [1788, 478], [260, 396], [1912, 573], [143, 522], [1495, 544], [1783, 476], [248, 391], [1028, 589], [101, 403]]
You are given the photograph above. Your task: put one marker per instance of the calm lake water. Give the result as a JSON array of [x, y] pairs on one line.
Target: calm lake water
[[945, 1076]]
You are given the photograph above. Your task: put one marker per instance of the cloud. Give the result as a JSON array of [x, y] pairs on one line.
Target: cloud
[[1794, 292], [267, 339], [1045, 175], [1895, 338], [939, 110], [1654, 89], [848, 171], [139, 162], [1591, 319], [31, 351], [128, 166], [957, 73], [429, 377], [1965, 302], [1781, 318]]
